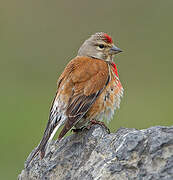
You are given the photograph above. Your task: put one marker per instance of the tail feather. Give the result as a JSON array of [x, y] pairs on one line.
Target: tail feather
[[41, 148], [31, 156]]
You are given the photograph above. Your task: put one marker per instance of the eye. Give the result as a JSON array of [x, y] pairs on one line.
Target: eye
[[101, 46]]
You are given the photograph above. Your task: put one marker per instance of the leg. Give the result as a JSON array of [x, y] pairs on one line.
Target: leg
[[93, 122]]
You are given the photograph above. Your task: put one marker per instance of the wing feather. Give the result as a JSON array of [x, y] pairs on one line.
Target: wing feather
[[79, 104]]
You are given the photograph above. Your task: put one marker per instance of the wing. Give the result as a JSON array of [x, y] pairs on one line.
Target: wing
[[89, 77]]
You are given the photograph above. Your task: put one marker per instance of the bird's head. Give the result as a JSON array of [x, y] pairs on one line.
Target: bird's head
[[99, 46]]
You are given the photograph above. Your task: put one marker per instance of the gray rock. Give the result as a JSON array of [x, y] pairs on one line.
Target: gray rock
[[128, 154]]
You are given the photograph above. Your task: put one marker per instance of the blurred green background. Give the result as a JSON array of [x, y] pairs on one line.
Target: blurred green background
[[38, 38]]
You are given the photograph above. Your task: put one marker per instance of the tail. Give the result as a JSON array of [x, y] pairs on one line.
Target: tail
[[41, 148]]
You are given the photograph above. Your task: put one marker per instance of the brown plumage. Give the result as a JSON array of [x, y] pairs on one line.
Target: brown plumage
[[82, 74], [88, 89]]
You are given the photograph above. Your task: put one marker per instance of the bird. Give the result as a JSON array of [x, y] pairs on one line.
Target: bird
[[88, 90]]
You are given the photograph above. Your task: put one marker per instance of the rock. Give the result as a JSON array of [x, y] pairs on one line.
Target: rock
[[128, 154]]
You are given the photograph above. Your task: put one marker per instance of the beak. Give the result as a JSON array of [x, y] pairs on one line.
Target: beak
[[115, 50]]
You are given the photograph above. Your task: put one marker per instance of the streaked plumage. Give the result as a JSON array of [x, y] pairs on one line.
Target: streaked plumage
[[89, 88]]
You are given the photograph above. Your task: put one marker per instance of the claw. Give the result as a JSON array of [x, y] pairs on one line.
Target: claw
[[93, 122]]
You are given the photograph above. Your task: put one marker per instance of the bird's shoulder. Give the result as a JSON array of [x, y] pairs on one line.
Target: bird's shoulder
[[85, 72], [82, 68]]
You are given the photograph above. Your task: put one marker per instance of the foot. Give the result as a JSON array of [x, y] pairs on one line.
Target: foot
[[93, 122], [77, 130]]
